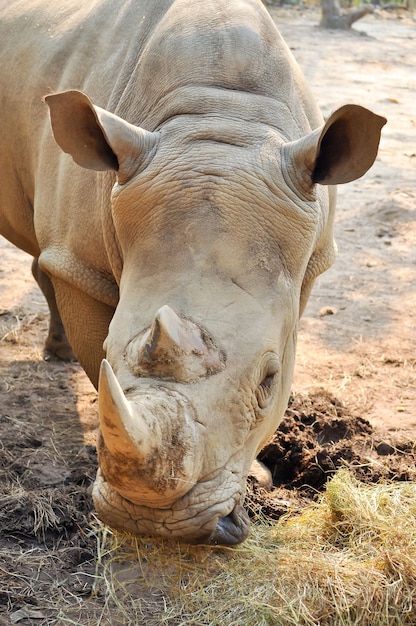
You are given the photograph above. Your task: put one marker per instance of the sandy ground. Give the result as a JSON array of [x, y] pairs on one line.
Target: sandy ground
[[357, 337]]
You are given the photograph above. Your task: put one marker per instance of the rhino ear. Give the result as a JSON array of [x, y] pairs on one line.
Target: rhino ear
[[343, 150], [348, 145], [97, 139]]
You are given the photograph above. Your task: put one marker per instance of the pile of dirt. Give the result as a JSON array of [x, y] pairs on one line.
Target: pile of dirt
[[318, 436]]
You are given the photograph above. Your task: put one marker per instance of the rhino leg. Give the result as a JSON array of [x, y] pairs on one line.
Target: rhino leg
[[56, 344], [261, 474], [86, 323]]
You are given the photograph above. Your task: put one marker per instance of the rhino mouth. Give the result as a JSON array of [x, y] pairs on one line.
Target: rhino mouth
[[211, 526], [231, 529]]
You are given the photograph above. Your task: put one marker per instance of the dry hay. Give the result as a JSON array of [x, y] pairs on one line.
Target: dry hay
[[348, 559], [318, 568]]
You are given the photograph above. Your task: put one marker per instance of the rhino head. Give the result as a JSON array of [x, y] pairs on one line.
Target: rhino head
[[220, 229]]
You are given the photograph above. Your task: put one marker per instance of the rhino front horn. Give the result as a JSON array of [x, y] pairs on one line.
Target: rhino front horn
[[174, 348], [125, 434], [137, 451]]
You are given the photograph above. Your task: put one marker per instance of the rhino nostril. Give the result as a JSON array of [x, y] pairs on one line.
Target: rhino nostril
[[231, 529]]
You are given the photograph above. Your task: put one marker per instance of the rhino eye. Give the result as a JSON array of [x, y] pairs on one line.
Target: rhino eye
[[265, 389], [267, 382]]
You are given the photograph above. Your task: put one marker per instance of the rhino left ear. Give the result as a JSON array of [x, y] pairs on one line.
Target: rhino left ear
[[95, 138], [342, 151]]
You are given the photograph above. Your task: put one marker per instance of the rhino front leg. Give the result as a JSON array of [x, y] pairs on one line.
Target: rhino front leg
[[86, 323], [56, 343]]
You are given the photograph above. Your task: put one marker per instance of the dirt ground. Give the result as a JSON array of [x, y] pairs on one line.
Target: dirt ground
[[354, 392]]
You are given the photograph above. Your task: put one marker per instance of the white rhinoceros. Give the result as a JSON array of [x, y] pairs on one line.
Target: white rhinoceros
[[183, 242]]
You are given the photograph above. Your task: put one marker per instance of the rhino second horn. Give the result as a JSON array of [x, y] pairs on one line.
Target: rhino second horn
[[170, 334], [124, 434], [176, 349]]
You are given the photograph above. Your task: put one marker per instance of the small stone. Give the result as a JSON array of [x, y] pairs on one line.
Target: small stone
[[327, 310], [384, 449]]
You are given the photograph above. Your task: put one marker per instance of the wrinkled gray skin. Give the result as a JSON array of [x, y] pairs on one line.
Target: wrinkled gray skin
[[193, 270]]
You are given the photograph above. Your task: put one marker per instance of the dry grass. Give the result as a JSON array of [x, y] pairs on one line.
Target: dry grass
[[348, 560]]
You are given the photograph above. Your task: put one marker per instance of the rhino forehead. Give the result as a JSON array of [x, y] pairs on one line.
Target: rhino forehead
[[223, 210]]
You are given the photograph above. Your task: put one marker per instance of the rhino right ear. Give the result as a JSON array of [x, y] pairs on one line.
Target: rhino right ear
[[95, 138], [348, 145], [342, 151]]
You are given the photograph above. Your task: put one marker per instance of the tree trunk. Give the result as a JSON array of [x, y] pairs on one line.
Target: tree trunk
[[332, 18]]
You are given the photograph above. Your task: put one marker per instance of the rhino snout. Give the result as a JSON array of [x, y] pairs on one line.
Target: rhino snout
[[189, 520]]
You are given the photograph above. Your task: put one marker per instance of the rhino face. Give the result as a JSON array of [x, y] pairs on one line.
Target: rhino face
[[179, 433], [220, 239]]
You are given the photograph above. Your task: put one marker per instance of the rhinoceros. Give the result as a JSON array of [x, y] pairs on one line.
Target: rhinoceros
[[168, 169]]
